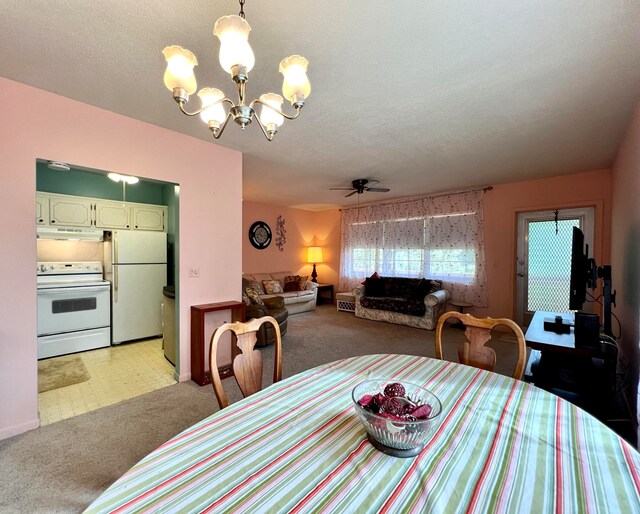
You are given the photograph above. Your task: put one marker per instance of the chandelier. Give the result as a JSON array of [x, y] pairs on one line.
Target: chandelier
[[237, 59]]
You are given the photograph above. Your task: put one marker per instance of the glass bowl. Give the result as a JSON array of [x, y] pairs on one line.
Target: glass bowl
[[392, 436]]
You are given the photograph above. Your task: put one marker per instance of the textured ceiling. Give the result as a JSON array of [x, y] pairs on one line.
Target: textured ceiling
[[423, 96]]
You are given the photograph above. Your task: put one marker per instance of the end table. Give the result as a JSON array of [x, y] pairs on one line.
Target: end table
[[346, 302], [322, 288]]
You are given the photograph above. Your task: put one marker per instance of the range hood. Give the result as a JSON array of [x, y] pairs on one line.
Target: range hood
[[70, 234]]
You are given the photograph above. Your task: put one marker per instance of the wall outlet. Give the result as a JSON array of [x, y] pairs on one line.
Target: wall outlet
[[194, 272]]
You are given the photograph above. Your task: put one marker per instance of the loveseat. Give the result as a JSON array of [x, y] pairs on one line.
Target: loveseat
[[295, 301], [406, 301]]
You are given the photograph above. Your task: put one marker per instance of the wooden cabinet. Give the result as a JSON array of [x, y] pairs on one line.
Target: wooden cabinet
[[70, 211], [57, 210], [149, 217], [42, 209], [201, 338], [112, 215]]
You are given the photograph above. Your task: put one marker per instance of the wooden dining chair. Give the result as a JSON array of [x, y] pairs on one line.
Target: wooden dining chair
[[246, 359], [473, 352]]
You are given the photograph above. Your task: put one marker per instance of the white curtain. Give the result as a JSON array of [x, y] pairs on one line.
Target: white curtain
[[438, 238]]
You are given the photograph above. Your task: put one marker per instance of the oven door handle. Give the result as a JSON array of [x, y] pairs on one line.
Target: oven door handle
[[73, 290]]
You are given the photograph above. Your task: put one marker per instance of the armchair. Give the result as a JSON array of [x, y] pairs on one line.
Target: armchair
[[273, 307]]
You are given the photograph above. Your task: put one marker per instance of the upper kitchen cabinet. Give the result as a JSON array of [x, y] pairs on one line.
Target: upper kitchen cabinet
[[149, 217], [78, 211], [112, 215], [70, 211], [42, 209]]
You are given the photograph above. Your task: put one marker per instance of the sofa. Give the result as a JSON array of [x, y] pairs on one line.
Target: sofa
[[295, 301], [413, 302]]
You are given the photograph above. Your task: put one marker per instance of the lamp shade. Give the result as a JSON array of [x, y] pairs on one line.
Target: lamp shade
[[213, 109], [233, 33], [296, 86], [269, 116], [314, 254], [179, 72]]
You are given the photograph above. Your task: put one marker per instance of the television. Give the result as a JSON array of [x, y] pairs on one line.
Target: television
[[584, 274], [579, 271]]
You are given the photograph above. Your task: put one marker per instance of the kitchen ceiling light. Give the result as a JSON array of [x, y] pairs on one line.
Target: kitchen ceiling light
[[58, 166], [236, 58], [127, 179]]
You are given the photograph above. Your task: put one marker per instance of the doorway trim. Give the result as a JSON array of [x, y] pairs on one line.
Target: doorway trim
[[586, 215]]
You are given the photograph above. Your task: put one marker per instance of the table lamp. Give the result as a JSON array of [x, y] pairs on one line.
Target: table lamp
[[314, 256]]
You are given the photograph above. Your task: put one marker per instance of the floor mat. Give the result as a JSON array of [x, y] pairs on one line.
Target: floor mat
[[61, 372]]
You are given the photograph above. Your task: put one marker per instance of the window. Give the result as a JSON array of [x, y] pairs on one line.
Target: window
[[430, 238], [458, 264]]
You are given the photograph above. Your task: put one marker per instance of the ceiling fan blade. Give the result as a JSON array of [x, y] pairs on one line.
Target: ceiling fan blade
[[378, 189], [340, 188], [372, 181], [350, 194]]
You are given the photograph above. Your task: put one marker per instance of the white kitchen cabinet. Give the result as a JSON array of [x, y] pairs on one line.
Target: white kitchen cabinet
[[42, 209], [149, 217], [70, 211], [112, 215], [58, 210]]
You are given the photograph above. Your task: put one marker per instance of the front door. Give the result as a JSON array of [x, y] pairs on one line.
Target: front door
[[543, 265]]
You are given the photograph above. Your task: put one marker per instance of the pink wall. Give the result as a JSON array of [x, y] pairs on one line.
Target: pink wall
[[502, 205], [625, 250], [303, 229], [501, 208], [38, 124]]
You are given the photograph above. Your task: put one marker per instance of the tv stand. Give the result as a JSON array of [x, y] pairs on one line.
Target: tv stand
[[585, 376]]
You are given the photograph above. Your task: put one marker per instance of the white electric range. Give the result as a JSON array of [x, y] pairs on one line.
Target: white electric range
[[74, 308]]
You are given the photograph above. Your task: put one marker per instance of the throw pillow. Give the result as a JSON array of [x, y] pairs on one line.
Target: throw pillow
[[253, 296], [302, 282], [246, 299], [375, 275], [272, 286], [292, 285], [374, 287], [291, 278], [256, 286], [421, 289]]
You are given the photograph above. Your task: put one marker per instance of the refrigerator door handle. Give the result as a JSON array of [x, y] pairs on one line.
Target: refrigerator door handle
[[115, 268], [115, 284], [115, 248]]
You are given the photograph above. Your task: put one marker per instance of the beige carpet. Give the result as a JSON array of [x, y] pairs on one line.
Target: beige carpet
[[64, 466], [61, 372]]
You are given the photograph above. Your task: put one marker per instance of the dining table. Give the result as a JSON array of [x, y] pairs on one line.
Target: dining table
[[500, 445]]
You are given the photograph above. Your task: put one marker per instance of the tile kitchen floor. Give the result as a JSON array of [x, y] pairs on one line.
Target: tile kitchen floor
[[117, 373]]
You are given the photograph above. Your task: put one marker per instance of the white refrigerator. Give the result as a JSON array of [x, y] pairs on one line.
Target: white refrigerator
[[136, 266]]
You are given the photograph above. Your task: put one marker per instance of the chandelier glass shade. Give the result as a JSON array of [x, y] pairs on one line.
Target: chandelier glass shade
[[237, 59]]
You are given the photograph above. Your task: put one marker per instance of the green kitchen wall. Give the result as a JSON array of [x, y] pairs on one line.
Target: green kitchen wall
[[96, 184]]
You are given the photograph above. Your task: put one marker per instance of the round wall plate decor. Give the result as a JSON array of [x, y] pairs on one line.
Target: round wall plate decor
[[260, 235]]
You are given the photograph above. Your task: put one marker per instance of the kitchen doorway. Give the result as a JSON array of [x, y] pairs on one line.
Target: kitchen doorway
[[83, 202]]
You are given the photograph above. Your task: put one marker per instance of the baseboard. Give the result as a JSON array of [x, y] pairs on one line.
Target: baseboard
[[182, 377], [5, 433]]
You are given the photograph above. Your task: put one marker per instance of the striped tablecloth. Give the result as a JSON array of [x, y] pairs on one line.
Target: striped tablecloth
[[502, 446]]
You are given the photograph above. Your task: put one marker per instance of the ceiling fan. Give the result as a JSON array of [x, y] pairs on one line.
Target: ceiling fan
[[360, 185]]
